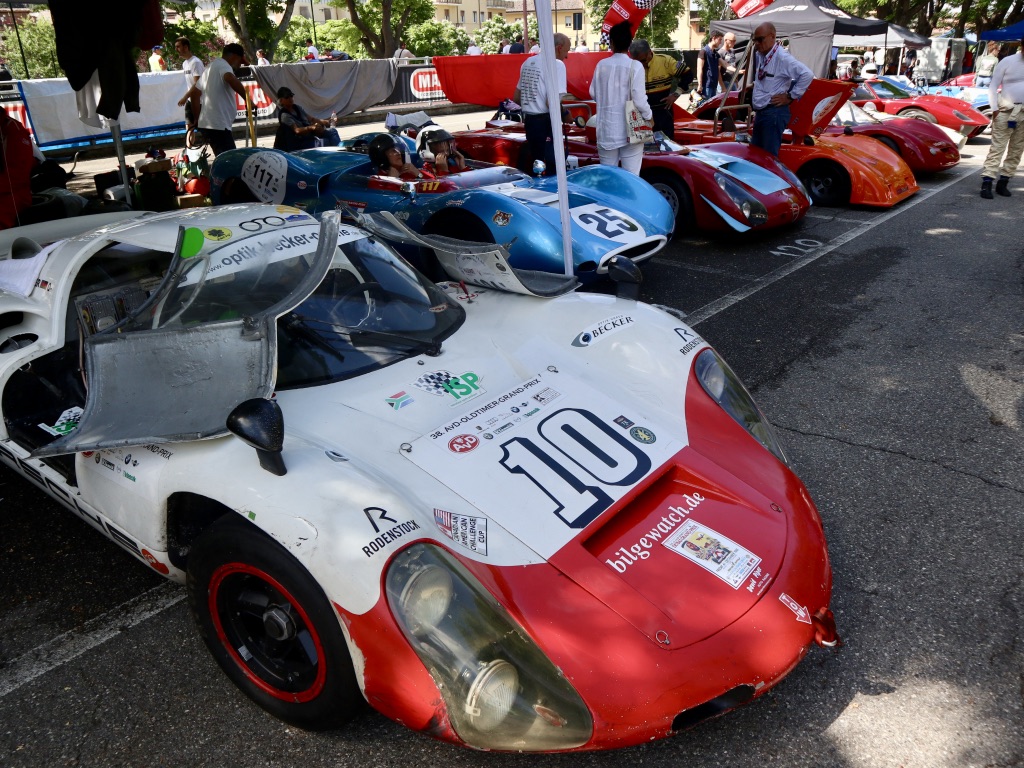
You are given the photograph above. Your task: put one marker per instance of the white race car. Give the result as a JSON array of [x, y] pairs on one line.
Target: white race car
[[506, 514]]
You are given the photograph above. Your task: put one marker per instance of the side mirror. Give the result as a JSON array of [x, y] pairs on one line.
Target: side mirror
[[627, 277], [260, 423], [848, 131], [408, 189]]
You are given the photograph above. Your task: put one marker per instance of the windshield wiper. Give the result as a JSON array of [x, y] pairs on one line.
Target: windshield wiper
[[299, 325], [428, 347]]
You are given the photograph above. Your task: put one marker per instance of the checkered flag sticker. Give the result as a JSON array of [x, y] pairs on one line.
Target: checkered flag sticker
[[433, 382]]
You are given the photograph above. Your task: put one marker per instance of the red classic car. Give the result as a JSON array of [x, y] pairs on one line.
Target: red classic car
[[925, 147], [945, 110]]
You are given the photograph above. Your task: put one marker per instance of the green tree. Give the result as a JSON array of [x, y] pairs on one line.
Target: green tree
[[40, 46], [383, 23], [201, 34], [339, 34], [436, 38], [493, 31], [660, 23], [253, 25]]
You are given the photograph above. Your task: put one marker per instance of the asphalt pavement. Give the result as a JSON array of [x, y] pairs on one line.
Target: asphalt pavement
[[888, 349]]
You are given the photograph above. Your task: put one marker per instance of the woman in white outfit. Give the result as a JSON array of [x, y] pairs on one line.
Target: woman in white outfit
[[617, 79]]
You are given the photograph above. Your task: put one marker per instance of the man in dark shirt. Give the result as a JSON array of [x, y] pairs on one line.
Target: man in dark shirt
[[298, 130], [517, 46]]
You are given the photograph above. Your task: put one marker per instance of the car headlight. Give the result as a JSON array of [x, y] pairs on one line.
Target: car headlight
[[725, 388], [961, 116], [500, 690], [752, 209], [789, 176]]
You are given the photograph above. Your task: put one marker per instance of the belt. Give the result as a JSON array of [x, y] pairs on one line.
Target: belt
[[770, 106], [539, 114]]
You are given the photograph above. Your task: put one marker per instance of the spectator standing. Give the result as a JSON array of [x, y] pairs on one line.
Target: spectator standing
[[473, 49], [709, 73], [779, 81], [662, 81], [213, 98], [312, 53], [517, 46], [156, 60], [616, 80], [193, 69], [297, 129], [1007, 124], [532, 94], [261, 58], [503, 46], [727, 58], [402, 52], [534, 46], [986, 65], [582, 47]]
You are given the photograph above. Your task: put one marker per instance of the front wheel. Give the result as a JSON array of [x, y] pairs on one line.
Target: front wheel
[[826, 182], [918, 114], [270, 627], [678, 197]]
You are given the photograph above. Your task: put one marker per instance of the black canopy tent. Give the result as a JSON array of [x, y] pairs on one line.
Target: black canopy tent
[[809, 25]]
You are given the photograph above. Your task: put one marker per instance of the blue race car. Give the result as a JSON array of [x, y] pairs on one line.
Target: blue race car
[[613, 212]]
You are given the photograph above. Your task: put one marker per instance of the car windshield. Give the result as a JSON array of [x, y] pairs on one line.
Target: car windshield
[[371, 310], [851, 114], [886, 91]]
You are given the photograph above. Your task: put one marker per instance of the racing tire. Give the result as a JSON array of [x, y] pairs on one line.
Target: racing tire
[[826, 182], [678, 197], [270, 627], [918, 114], [234, 190]]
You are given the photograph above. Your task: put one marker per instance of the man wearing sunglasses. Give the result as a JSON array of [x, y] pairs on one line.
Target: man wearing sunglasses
[[780, 80]]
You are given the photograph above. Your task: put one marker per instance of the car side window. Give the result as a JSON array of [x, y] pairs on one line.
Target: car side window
[[862, 93]]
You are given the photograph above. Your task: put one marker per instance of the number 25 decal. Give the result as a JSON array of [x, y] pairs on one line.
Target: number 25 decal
[[579, 441], [608, 223]]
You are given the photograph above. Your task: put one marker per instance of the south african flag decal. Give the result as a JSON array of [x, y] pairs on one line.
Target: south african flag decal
[[399, 400]]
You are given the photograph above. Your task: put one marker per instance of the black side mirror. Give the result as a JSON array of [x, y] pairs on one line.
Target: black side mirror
[[848, 131], [260, 424], [627, 277]]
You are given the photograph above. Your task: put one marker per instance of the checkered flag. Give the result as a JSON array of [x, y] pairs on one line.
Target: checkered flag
[[433, 382]]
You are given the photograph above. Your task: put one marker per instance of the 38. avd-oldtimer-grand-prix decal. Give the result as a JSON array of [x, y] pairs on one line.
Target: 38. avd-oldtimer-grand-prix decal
[[546, 457]]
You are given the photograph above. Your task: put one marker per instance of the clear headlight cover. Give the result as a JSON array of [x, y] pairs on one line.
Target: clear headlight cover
[[725, 388], [752, 209], [961, 116], [500, 690]]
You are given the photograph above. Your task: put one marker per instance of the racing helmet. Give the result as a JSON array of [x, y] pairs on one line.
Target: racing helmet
[[432, 135], [379, 149]]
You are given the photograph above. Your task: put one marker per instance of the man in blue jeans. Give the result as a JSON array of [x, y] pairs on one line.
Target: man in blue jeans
[[779, 81]]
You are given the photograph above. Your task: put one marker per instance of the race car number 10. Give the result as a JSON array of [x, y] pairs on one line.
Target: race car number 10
[[575, 442]]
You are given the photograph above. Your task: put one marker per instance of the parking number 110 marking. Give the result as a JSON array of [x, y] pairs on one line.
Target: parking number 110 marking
[[576, 442]]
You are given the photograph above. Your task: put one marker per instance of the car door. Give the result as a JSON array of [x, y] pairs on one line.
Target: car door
[[206, 339]]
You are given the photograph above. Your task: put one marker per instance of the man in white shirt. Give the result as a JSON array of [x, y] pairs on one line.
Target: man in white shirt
[[534, 46], [193, 69], [582, 47], [779, 81], [213, 98], [402, 52], [1007, 124], [473, 49], [261, 58], [532, 94], [312, 52], [504, 46]]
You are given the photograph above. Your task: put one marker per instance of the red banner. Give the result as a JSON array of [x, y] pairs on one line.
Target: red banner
[[746, 7]]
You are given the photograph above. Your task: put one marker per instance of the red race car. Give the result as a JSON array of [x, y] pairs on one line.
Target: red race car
[[944, 110], [853, 170], [731, 187], [925, 147]]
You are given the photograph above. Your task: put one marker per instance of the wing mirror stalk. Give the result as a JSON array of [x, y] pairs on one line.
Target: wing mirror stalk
[[260, 424]]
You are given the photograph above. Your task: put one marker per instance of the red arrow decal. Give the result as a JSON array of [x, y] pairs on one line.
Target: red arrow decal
[[802, 614]]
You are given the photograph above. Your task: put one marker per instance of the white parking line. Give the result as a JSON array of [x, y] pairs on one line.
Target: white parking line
[[96, 631], [720, 305]]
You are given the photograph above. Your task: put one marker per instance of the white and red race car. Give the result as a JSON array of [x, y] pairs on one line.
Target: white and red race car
[[504, 513]]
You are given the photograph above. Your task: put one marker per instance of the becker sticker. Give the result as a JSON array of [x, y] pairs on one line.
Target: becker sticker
[[602, 221], [465, 530], [66, 422], [264, 173], [602, 330], [713, 552]]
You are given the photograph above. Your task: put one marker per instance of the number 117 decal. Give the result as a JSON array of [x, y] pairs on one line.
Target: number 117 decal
[[575, 442]]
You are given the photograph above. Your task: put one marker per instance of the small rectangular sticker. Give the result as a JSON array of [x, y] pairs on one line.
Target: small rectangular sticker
[[713, 552]]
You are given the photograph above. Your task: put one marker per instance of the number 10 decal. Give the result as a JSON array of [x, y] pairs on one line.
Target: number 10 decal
[[588, 443]]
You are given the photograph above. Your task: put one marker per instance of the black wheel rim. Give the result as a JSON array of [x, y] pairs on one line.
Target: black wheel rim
[[267, 632]]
